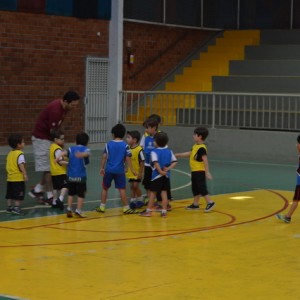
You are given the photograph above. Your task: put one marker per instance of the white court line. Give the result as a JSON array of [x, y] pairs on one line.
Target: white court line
[[253, 163], [98, 200]]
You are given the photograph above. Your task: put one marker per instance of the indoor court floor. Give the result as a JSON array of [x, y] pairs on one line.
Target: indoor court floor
[[237, 251]]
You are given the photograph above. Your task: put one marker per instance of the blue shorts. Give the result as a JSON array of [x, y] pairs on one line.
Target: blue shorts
[[119, 179]]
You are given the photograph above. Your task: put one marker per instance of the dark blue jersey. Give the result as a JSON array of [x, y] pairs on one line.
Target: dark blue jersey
[[164, 157], [76, 167], [148, 145], [117, 151]]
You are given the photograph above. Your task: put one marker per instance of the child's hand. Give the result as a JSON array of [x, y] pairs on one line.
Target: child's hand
[[163, 172], [208, 175], [25, 177], [102, 172], [79, 154]]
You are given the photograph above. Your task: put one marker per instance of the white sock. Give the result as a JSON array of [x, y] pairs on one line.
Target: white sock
[[132, 199], [38, 188], [61, 198], [49, 195]]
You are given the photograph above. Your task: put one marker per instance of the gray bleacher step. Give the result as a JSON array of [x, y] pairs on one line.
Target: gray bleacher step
[[265, 67], [272, 52], [280, 36], [237, 118], [252, 84]]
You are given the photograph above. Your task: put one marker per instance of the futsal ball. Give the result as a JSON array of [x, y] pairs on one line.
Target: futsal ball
[[132, 205]]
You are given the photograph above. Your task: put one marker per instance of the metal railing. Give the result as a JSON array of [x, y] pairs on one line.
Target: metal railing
[[213, 109]]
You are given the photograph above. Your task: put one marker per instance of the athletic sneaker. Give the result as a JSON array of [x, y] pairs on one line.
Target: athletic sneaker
[[56, 204], [69, 214], [163, 214], [146, 213], [34, 194], [192, 207], [59, 204], [80, 214], [9, 210], [129, 211], [283, 218], [100, 209], [158, 207], [17, 211], [209, 206], [48, 201]]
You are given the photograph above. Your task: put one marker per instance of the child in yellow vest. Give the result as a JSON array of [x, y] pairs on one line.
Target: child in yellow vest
[[137, 160], [58, 169], [199, 169], [16, 174]]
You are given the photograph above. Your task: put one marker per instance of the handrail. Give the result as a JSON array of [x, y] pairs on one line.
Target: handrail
[[159, 55], [266, 111]]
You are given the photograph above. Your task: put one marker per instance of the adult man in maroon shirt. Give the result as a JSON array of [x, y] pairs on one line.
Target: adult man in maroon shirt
[[49, 119]]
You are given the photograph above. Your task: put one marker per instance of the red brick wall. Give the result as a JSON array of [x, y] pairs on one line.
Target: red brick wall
[[41, 57], [157, 50]]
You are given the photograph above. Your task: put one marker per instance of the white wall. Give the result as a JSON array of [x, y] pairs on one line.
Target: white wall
[[254, 145]]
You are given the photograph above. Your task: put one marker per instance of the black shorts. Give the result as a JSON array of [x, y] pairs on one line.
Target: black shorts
[[147, 177], [15, 190], [77, 188], [199, 183], [59, 181], [297, 193], [160, 184], [134, 180]]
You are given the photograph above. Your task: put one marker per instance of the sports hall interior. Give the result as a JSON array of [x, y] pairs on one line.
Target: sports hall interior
[[232, 68]]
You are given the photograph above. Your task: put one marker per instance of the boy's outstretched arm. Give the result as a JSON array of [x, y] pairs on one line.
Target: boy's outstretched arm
[[183, 154]]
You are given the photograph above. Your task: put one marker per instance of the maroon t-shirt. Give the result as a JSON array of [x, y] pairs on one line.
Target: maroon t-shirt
[[50, 118]]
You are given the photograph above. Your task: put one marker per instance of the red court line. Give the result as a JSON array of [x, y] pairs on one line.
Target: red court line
[[227, 224]]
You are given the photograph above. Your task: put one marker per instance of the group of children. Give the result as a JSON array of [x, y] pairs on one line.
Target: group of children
[[67, 168], [149, 160], [145, 159]]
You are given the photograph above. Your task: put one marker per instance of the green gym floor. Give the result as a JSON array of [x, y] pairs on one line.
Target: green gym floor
[[237, 251]]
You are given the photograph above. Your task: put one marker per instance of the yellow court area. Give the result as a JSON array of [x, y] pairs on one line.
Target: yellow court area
[[238, 251]]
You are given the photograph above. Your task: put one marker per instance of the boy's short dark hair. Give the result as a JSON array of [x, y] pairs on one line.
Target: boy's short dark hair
[[14, 139], [82, 138], [135, 135], [56, 134], [298, 139], [201, 131], [161, 139], [150, 123], [118, 131], [70, 96], [155, 117]]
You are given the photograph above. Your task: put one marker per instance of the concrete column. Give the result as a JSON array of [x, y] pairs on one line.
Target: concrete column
[[116, 62]]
